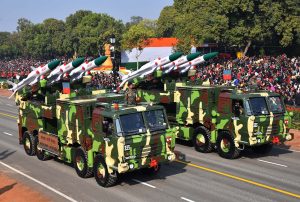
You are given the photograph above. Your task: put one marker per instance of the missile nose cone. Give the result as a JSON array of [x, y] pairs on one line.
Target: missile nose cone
[[100, 60], [77, 62], [52, 65], [193, 56], [210, 55], [175, 56]]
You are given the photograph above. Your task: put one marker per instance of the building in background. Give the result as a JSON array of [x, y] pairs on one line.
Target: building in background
[[157, 47]]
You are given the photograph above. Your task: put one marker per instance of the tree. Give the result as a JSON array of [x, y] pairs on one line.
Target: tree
[[233, 22], [166, 22], [23, 24], [134, 20], [94, 31], [137, 37]]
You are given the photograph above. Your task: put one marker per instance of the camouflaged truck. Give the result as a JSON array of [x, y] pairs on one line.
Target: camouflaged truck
[[221, 117], [99, 138]]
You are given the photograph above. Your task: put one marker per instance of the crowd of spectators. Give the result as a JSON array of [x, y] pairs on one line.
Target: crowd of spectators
[[21, 67], [102, 80], [278, 74]]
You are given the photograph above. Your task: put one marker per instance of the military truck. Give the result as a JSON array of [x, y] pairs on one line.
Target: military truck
[[220, 117], [99, 137]]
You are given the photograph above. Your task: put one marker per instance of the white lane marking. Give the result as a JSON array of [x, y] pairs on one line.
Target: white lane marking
[[277, 164], [9, 105], [39, 182], [7, 134], [144, 183], [186, 199]]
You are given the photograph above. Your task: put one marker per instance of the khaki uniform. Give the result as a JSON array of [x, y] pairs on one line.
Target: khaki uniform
[[130, 96]]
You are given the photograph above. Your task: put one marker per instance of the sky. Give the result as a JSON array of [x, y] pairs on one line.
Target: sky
[[38, 10]]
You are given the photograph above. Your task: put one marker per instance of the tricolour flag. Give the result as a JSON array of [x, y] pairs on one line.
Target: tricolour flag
[[227, 74], [66, 88]]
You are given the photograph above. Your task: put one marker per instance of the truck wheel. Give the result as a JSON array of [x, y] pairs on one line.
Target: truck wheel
[[29, 143], [262, 149], [226, 147], [201, 140], [103, 178], [81, 163], [40, 153]]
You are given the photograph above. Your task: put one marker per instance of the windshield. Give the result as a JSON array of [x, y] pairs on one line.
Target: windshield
[[156, 119], [132, 123], [258, 106], [275, 104]]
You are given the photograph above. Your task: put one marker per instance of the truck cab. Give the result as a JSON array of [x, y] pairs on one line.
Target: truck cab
[[134, 137], [256, 119]]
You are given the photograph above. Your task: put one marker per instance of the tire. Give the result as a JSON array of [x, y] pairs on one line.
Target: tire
[[40, 154], [102, 177], [29, 143], [262, 149], [201, 140], [80, 163], [226, 147]]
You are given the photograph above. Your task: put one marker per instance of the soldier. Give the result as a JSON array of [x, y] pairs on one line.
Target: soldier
[[130, 94]]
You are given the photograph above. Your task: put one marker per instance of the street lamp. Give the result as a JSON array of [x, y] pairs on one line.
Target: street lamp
[[112, 41]]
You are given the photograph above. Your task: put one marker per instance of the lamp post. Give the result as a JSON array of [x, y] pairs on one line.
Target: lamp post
[[112, 41]]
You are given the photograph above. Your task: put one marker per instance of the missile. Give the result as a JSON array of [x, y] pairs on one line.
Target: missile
[[150, 67], [78, 72], [169, 67], [34, 76], [186, 66], [58, 73]]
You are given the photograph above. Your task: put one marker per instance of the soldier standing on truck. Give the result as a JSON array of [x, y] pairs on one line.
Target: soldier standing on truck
[[130, 94]]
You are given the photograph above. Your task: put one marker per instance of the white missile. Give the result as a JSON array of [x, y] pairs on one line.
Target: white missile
[[34, 76], [57, 74], [169, 67], [79, 72], [186, 66], [150, 67]]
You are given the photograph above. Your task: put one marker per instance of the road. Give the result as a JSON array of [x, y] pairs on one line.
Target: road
[[194, 177]]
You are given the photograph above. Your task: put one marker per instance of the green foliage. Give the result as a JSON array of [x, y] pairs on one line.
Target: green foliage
[[231, 22], [137, 35], [83, 32], [166, 22], [134, 20]]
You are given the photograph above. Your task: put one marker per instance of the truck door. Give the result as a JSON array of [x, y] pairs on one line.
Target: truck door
[[239, 121]]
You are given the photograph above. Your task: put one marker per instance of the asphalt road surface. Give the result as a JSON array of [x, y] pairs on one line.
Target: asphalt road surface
[[194, 177]]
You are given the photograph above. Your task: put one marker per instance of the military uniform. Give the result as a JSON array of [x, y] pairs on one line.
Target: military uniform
[[130, 96]]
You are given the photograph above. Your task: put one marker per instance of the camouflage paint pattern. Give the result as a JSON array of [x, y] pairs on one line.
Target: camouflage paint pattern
[[211, 106], [77, 121]]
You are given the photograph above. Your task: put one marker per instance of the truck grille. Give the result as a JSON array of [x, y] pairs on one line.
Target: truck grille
[[273, 130], [150, 150]]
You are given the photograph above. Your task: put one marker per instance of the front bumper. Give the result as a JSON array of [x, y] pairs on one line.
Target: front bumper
[[144, 162]]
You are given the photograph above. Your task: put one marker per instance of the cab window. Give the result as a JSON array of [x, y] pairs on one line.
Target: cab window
[[237, 107], [107, 126]]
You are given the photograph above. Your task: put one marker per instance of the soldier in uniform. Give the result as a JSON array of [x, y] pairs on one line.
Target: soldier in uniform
[[130, 94]]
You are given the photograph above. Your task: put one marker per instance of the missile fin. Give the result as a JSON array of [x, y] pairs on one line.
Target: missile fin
[[32, 68], [12, 94]]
